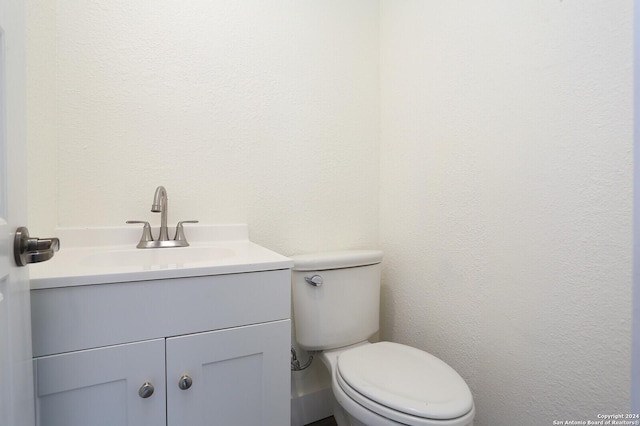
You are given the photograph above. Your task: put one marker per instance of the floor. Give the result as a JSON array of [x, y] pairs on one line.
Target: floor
[[329, 421]]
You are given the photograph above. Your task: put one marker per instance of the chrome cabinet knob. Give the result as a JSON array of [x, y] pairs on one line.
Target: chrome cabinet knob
[[185, 382], [146, 390], [314, 280]]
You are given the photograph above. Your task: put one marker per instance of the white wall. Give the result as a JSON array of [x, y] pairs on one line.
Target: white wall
[[42, 145], [254, 111], [635, 341], [506, 173]]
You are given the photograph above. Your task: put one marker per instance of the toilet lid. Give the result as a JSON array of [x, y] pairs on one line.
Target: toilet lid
[[405, 379]]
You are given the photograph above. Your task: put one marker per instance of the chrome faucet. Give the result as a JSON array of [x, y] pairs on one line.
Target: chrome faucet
[[160, 205]]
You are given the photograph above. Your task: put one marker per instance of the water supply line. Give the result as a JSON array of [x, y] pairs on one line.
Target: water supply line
[[295, 363]]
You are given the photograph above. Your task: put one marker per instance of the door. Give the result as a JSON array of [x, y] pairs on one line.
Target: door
[[237, 376], [16, 376], [121, 385]]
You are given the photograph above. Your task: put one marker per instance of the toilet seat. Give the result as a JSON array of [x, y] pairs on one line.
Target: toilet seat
[[400, 382]]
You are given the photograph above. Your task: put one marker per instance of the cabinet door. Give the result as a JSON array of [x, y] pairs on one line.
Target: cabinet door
[[99, 387], [240, 376]]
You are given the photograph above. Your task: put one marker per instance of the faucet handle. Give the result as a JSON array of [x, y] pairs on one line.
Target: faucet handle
[[180, 230], [146, 232]]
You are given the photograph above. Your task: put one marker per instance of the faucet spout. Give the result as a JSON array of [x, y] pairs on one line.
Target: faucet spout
[[160, 205]]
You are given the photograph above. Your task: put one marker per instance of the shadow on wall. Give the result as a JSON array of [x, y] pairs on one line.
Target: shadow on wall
[[387, 311]]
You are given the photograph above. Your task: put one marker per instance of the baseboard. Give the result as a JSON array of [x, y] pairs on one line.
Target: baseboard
[[311, 407]]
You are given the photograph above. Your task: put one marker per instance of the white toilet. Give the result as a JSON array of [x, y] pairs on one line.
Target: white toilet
[[336, 300]]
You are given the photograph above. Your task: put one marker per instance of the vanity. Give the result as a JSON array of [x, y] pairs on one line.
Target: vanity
[[197, 335]]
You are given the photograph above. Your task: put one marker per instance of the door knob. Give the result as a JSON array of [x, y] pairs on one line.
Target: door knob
[[32, 250]]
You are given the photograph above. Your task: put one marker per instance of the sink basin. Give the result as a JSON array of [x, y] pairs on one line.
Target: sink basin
[[106, 255], [157, 257]]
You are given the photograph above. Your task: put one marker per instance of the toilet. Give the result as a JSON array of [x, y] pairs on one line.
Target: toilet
[[336, 300]]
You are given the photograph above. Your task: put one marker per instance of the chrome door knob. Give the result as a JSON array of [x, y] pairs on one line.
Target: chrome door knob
[[185, 382], [146, 390], [28, 249]]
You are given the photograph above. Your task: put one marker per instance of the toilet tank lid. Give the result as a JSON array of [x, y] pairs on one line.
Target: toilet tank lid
[[335, 259]]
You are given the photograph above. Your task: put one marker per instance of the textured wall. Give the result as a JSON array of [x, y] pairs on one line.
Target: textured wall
[[506, 184], [42, 143], [635, 352], [264, 112]]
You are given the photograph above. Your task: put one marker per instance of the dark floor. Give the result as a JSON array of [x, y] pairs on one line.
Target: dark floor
[[329, 421]]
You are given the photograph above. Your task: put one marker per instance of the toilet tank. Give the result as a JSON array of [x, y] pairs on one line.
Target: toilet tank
[[340, 308]]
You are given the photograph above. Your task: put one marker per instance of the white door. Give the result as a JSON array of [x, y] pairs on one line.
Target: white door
[[16, 376]]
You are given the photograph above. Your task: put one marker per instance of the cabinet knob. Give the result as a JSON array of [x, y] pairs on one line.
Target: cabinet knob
[[146, 390], [185, 382]]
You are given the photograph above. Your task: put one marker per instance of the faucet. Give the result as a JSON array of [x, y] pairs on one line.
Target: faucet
[[160, 205]]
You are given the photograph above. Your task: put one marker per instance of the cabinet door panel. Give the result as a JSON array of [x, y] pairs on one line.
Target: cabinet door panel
[[99, 387], [240, 377]]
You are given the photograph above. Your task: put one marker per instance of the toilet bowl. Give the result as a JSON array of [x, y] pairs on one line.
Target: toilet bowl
[[336, 310], [387, 384]]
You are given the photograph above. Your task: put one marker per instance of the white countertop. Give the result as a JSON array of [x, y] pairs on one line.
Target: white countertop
[[109, 255]]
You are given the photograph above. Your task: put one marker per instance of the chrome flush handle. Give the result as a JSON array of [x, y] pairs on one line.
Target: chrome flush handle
[[314, 280]]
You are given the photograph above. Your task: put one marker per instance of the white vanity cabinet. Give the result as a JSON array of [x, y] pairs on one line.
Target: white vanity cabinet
[[215, 349]]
